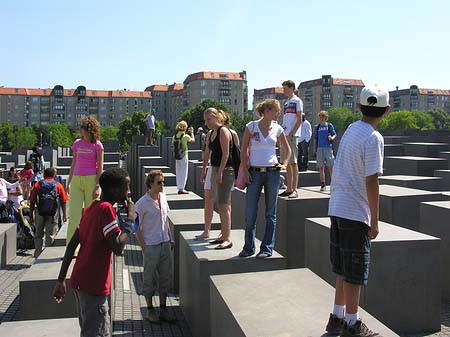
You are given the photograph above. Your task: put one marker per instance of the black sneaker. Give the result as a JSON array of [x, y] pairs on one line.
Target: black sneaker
[[246, 253], [359, 329], [335, 324]]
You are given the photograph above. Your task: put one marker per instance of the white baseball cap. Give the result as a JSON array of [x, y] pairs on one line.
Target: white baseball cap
[[374, 95]]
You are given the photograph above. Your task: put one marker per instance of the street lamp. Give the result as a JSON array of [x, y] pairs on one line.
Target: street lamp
[[51, 134], [41, 140]]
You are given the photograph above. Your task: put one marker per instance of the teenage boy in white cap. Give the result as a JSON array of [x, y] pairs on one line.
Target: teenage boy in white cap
[[353, 208]]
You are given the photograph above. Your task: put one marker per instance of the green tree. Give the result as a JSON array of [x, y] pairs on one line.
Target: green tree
[[441, 119], [109, 133], [342, 117], [6, 131], [59, 135], [161, 128], [22, 137], [130, 126], [194, 115], [424, 120], [400, 120]]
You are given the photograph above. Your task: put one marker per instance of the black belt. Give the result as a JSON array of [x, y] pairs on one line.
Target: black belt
[[265, 169]]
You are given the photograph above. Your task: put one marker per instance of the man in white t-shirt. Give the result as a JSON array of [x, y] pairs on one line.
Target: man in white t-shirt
[[151, 125], [292, 118], [303, 144], [354, 208]]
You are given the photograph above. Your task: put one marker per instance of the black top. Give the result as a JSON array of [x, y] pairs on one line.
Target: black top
[[216, 150]]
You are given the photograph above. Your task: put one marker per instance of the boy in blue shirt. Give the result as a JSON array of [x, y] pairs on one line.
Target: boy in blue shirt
[[324, 135]]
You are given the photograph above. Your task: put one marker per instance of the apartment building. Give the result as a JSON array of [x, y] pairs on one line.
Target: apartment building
[[228, 88], [22, 106], [327, 92], [260, 95], [416, 98]]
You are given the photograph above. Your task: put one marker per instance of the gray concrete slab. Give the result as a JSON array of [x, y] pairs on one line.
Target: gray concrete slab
[[194, 154], [36, 288], [183, 201], [198, 261], [61, 237], [165, 169], [192, 174], [148, 151], [414, 166], [396, 139], [416, 182], [404, 290], [292, 302], [446, 156], [394, 150], [431, 150], [64, 161], [435, 220], [291, 214], [186, 220], [198, 186], [445, 175], [8, 243], [62, 327], [400, 205]]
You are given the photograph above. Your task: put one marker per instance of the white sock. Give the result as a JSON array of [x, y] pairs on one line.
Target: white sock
[[351, 319], [339, 311]]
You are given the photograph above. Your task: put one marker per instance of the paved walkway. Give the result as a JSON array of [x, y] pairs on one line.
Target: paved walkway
[[130, 309]]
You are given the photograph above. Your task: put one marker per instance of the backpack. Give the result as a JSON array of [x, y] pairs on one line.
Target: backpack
[[178, 151], [235, 157], [47, 199]]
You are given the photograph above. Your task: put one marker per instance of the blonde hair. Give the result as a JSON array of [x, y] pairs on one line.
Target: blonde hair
[[268, 104], [181, 126], [323, 113], [92, 127], [219, 114]]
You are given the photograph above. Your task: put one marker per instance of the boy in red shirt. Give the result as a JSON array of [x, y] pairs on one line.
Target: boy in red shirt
[[47, 222], [99, 235]]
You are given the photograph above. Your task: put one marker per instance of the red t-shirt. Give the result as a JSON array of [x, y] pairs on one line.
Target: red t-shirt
[[92, 270]]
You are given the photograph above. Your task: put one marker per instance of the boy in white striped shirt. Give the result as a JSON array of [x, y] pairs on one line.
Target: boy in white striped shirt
[[353, 208]]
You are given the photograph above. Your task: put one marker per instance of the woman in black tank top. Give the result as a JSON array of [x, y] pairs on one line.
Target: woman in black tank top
[[218, 145]]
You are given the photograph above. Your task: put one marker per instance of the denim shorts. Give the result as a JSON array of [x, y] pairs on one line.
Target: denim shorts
[[350, 250]]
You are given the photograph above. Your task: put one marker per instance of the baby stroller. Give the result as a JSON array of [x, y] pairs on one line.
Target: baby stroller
[[25, 230]]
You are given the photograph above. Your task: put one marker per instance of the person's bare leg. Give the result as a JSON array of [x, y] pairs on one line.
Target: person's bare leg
[[322, 174], [294, 176], [208, 214], [289, 176], [330, 171], [225, 220], [352, 294], [339, 296]]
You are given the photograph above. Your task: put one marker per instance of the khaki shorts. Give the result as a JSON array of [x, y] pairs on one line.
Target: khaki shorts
[[293, 143], [157, 274], [325, 157], [222, 193]]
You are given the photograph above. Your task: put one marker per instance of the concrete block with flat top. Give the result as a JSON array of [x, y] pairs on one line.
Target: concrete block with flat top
[[293, 302], [36, 288], [198, 261], [400, 205], [446, 155], [404, 289], [431, 150], [148, 151], [414, 166], [8, 242], [435, 220], [183, 201], [291, 214], [192, 174], [415, 182], [58, 327], [394, 150], [445, 175], [61, 237], [187, 220]]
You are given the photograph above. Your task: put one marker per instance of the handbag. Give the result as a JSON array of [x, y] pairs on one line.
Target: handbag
[[240, 181]]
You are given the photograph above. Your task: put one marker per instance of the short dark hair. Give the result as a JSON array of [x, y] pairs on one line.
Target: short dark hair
[[372, 111], [289, 84], [49, 172], [112, 178], [151, 177]]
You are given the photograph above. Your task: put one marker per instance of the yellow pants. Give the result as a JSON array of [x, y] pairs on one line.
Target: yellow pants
[[81, 188]]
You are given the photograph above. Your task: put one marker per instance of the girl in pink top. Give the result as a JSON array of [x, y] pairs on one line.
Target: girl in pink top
[[87, 166], [26, 175]]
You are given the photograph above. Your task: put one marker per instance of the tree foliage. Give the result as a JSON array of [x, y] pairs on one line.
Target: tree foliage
[[194, 115], [60, 135], [403, 120], [22, 137], [441, 119], [109, 133], [342, 117], [134, 125]]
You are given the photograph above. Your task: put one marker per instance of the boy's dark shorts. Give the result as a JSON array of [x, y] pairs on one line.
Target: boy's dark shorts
[[350, 250]]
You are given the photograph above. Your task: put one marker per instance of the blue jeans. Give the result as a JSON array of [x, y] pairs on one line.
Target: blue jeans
[[271, 183]]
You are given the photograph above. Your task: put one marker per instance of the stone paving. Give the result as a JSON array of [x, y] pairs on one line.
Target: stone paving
[[130, 308]]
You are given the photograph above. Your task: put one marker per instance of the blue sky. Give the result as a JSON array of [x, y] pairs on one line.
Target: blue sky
[[133, 44]]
